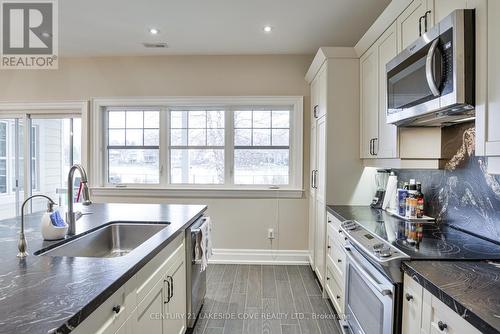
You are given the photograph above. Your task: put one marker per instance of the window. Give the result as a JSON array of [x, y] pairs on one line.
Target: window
[[197, 146], [133, 146], [196, 143], [261, 147]]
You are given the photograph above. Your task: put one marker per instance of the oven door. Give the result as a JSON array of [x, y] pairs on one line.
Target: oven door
[[369, 297]]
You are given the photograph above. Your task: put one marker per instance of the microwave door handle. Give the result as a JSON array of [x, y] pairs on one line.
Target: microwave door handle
[[429, 68]]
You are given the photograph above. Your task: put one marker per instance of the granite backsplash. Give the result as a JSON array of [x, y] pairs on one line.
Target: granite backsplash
[[462, 194]]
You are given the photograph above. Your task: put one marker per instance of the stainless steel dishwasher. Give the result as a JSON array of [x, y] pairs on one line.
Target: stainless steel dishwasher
[[196, 279]]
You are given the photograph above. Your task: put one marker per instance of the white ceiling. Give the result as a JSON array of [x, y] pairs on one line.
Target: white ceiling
[[119, 27]]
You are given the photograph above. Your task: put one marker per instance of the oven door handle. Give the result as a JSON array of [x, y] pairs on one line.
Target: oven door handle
[[429, 68], [367, 275]]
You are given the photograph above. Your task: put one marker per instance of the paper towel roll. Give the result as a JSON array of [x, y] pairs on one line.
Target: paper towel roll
[[390, 193]]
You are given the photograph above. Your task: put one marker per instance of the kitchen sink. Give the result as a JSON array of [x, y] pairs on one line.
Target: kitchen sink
[[113, 240]]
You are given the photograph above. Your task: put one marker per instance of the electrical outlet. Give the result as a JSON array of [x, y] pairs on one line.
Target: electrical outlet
[[270, 234]]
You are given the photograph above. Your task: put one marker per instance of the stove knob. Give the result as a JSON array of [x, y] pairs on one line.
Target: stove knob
[[385, 252], [377, 247]]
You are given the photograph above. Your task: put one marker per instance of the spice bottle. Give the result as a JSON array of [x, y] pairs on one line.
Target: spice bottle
[[420, 201]]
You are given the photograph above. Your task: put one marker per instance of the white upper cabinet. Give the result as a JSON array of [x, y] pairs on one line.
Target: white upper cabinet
[[493, 117], [409, 21], [387, 143], [369, 102], [443, 8]]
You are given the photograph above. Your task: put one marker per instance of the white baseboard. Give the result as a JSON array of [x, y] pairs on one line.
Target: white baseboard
[[259, 256]]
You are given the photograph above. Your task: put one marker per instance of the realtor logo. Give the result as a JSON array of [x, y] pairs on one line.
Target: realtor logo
[[29, 36]]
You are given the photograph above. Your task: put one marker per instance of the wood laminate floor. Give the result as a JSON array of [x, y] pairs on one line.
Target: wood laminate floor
[[267, 299]]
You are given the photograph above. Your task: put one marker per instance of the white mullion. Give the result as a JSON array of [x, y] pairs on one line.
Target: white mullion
[[164, 129], [229, 147]]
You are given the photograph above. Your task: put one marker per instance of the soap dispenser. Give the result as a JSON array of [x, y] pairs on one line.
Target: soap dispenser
[[53, 226]]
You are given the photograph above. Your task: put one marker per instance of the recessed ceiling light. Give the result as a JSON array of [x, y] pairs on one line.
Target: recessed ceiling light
[[268, 29], [154, 31]]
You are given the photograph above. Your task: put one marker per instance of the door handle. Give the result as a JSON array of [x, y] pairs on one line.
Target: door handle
[[420, 25], [371, 150], [430, 68], [425, 21], [375, 140], [171, 287], [315, 112], [313, 179], [168, 290]]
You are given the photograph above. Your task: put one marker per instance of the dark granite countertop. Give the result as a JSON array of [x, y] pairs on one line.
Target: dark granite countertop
[[439, 242], [471, 289], [43, 294]]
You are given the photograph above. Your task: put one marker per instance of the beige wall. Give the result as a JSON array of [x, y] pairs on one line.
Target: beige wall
[[239, 223]]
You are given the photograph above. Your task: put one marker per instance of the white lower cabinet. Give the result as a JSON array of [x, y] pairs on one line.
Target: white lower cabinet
[[153, 301], [335, 264], [423, 313]]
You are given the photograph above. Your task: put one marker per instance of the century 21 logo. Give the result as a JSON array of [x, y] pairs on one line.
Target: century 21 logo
[[29, 34]]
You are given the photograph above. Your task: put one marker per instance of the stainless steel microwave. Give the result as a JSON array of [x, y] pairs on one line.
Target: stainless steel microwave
[[432, 82]]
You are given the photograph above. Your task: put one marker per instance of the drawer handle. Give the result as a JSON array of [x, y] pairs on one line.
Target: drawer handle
[[116, 309], [442, 326], [339, 260], [408, 297], [329, 221]]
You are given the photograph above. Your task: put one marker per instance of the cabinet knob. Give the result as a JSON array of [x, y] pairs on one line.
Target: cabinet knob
[[339, 260], [329, 221], [328, 247], [338, 297], [442, 326], [116, 309], [408, 297], [328, 278]]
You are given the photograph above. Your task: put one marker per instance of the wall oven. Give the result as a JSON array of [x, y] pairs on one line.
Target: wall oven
[[369, 298], [432, 82]]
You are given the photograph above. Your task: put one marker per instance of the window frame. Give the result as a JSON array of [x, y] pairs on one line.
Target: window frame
[[105, 148], [167, 104]]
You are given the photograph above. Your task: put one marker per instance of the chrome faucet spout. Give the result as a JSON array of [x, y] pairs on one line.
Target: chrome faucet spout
[[71, 216], [22, 245]]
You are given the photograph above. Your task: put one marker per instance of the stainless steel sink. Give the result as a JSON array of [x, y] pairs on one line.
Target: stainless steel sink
[[117, 239]]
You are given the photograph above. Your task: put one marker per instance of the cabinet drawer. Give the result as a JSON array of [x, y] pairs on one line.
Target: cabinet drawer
[[108, 317], [334, 290], [445, 320], [334, 230], [337, 258]]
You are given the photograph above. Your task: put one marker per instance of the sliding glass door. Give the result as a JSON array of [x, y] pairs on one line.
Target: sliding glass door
[[54, 144]]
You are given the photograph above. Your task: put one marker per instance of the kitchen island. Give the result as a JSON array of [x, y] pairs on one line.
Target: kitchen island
[[44, 294]]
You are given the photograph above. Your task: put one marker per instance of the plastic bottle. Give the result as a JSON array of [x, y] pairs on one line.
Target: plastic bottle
[[420, 201]]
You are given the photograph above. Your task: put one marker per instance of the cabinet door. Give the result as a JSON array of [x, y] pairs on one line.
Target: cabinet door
[[320, 241], [149, 313], [387, 143], [408, 23], [321, 159], [443, 8], [412, 306], [493, 109], [176, 306], [445, 320], [369, 101], [312, 229], [322, 91]]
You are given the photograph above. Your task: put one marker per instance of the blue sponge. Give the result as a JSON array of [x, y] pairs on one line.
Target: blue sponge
[[57, 220]]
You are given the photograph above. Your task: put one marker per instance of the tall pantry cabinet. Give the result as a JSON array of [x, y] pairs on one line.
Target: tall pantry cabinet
[[335, 167]]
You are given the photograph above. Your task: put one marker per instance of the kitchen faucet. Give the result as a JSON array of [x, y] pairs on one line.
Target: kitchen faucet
[[22, 244], [71, 216]]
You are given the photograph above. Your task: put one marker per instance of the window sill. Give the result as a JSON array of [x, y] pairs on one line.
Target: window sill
[[196, 193]]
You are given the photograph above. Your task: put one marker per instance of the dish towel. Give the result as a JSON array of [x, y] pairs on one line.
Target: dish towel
[[203, 248]]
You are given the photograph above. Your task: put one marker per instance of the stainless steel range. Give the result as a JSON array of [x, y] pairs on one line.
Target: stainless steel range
[[374, 282]]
